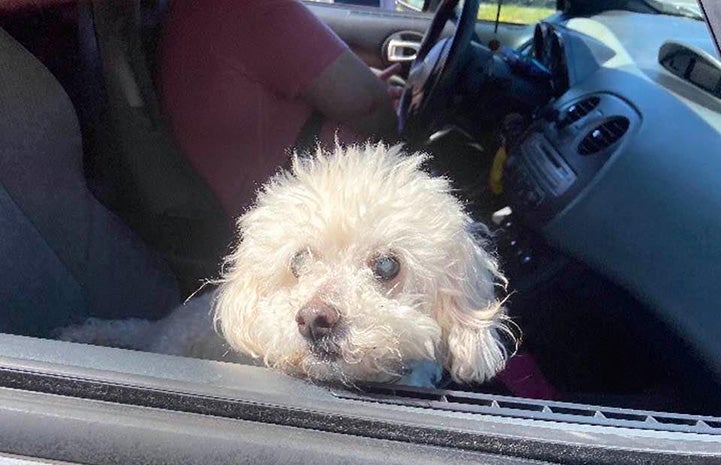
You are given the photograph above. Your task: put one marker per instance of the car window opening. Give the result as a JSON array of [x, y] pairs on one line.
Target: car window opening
[[119, 203]]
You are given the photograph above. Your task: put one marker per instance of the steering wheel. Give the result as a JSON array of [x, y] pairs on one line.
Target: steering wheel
[[435, 70]]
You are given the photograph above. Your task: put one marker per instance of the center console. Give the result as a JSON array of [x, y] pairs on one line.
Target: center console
[[556, 158], [562, 151]]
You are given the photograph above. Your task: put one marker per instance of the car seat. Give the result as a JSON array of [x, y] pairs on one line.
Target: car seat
[[64, 256], [156, 189]]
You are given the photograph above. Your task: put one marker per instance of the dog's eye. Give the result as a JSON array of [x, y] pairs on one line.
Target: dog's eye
[[385, 267], [299, 261]]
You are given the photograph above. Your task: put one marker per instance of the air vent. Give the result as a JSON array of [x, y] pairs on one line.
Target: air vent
[[578, 110], [491, 404], [604, 136]]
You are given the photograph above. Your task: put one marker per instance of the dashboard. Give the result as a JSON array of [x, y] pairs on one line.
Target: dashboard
[[622, 169]]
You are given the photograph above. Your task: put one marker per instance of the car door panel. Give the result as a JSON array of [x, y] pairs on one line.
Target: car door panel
[[368, 31]]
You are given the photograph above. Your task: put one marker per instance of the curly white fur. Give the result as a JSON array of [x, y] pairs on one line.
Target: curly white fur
[[345, 208]]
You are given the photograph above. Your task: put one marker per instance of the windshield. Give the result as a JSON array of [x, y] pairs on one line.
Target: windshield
[[688, 8], [529, 11]]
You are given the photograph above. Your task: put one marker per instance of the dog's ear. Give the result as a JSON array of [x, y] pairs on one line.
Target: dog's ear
[[236, 302], [471, 317]]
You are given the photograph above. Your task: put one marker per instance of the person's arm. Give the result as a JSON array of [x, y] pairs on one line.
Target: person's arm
[[12, 6], [284, 46], [348, 93]]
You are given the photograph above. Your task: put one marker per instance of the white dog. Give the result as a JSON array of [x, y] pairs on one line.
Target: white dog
[[353, 266]]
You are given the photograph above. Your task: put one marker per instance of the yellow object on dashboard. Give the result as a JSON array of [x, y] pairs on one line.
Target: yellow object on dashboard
[[495, 178]]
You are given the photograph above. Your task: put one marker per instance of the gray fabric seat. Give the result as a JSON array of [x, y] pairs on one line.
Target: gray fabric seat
[[64, 256]]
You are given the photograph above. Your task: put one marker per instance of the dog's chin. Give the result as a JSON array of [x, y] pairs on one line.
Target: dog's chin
[[325, 353], [330, 364]]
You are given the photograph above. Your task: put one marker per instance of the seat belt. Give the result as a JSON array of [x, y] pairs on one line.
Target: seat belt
[[164, 199], [309, 133]]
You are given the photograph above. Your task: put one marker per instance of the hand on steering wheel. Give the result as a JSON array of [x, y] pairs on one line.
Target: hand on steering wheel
[[394, 90], [435, 70]]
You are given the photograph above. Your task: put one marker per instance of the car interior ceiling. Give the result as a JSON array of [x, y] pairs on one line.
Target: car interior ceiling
[[614, 351]]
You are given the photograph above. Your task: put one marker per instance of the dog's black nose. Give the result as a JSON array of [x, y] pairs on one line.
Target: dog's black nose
[[316, 320]]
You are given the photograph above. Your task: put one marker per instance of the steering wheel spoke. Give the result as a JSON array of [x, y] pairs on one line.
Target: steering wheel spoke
[[435, 70]]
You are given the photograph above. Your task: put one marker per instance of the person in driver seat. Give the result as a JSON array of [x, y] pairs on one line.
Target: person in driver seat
[[244, 81]]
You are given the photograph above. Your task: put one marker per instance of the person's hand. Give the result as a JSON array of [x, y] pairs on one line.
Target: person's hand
[[385, 74], [394, 91]]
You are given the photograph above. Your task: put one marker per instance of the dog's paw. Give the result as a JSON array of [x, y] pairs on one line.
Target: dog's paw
[[423, 374], [83, 333]]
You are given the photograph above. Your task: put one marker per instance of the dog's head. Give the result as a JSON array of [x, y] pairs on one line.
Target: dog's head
[[357, 263]]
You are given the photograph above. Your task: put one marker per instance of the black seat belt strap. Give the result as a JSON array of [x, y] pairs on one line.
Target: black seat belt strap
[[308, 136]]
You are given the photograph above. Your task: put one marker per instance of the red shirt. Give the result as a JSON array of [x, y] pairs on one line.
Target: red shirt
[[232, 74]]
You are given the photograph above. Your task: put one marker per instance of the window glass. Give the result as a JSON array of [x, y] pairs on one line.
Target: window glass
[[386, 4], [512, 11], [517, 11]]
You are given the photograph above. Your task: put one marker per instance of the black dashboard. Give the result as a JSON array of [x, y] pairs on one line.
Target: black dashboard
[[622, 169]]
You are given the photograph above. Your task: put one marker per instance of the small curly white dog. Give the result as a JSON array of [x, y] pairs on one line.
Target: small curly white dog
[[353, 266]]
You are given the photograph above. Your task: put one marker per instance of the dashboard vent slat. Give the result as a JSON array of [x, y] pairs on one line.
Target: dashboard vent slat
[[604, 135], [578, 110], [515, 407]]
